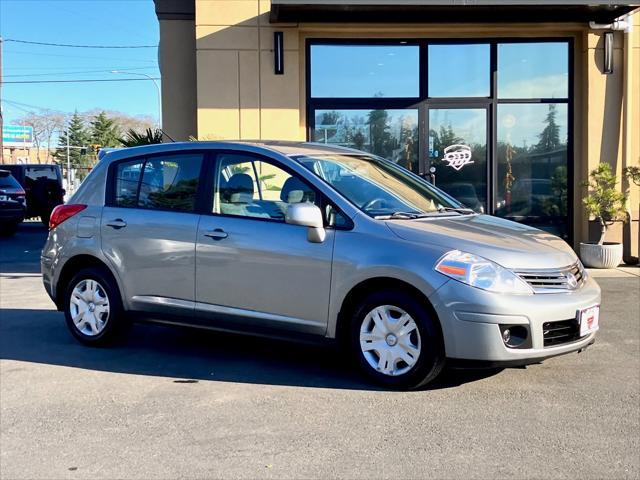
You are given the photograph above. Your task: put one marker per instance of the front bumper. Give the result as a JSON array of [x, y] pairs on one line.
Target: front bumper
[[471, 319]]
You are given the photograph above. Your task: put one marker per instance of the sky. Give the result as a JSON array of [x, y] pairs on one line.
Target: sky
[[84, 22]]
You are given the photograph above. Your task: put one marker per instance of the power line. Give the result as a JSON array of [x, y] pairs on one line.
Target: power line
[[86, 80], [50, 74], [69, 45], [42, 54]]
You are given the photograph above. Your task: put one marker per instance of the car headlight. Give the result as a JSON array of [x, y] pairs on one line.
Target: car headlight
[[481, 273]]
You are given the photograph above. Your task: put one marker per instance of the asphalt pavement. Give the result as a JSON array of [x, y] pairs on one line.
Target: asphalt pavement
[[180, 403]]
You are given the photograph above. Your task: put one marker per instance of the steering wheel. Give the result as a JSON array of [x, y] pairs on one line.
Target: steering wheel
[[377, 202]]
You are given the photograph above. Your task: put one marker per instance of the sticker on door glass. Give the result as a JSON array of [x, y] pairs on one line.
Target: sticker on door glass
[[457, 156]]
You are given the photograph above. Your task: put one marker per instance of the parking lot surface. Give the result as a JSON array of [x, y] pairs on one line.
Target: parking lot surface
[[171, 402]]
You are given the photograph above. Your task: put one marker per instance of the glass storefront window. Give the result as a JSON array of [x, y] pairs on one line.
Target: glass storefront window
[[459, 70], [533, 70], [458, 152], [392, 134], [532, 182], [365, 71]]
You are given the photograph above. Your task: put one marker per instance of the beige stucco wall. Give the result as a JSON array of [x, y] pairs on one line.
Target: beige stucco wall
[[178, 69], [240, 97]]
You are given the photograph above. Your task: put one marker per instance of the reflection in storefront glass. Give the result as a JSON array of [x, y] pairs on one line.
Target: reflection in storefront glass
[[458, 151], [392, 134], [459, 70], [533, 70], [532, 165], [365, 71]]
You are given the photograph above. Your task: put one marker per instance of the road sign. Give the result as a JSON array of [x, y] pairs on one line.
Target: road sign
[[17, 136]]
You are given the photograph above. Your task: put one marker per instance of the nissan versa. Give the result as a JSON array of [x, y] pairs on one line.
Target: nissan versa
[[286, 239]]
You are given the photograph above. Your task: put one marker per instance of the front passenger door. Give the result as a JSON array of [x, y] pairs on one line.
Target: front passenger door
[[252, 267]]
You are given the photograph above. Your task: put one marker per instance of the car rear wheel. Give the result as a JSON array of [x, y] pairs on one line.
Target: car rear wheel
[[93, 307], [395, 341]]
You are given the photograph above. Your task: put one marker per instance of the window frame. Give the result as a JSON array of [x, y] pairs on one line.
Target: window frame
[[423, 102], [110, 192], [211, 173]]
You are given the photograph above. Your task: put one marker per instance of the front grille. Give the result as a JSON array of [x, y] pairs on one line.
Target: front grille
[[558, 333], [554, 280]]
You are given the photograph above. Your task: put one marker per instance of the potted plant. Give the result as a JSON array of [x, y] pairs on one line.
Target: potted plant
[[606, 205], [633, 175]]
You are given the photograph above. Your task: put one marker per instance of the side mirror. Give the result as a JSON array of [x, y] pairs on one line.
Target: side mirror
[[307, 215]]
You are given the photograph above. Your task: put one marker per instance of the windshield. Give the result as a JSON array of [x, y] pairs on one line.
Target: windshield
[[378, 187]]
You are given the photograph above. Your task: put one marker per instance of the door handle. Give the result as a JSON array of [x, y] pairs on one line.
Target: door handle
[[217, 234], [118, 223]]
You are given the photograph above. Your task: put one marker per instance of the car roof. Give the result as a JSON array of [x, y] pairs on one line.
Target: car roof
[[288, 148]]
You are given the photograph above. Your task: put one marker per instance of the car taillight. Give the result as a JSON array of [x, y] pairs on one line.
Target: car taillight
[[62, 213]]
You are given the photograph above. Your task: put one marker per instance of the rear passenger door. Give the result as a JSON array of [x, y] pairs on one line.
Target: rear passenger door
[[149, 227]]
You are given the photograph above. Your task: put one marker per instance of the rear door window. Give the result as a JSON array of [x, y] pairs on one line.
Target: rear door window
[[168, 182]]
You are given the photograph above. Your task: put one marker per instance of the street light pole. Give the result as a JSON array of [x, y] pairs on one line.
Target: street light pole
[[157, 88], [68, 163]]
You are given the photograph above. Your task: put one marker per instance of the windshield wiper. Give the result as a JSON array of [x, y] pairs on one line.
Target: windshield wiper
[[462, 210], [399, 216]]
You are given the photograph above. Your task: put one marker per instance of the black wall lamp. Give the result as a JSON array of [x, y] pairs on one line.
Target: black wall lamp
[[608, 53], [278, 53]]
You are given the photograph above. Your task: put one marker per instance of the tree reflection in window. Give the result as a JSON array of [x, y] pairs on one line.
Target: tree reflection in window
[[392, 134], [166, 183]]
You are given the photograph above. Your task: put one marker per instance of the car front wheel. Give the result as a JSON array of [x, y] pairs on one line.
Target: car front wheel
[[395, 340]]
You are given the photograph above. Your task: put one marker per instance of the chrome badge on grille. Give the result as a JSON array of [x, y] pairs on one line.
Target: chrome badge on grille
[[572, 281]]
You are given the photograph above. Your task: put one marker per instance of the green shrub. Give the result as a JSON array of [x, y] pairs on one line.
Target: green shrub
[[604, 201]]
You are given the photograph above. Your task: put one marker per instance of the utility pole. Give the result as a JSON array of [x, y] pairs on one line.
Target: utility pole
[[68, 163]]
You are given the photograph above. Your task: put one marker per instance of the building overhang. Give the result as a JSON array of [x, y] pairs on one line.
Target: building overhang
[[175, 9], [447, 11]]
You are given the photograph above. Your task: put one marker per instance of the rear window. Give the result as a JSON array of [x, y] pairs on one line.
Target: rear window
[[34, 173], [7, 181]]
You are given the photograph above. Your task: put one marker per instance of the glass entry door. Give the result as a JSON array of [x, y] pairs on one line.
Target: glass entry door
[[457, 153]]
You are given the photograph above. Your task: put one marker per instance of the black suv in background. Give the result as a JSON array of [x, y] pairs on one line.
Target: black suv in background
[[43, 186], [12, 203]]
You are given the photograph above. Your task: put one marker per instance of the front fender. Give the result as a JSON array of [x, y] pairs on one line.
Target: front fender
[[360, 257]]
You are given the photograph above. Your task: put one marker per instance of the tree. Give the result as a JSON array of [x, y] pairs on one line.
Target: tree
[[134, 138], [104, 131], [603, 201], [78, 137], [381, 139], [45, 125], [549, 138]]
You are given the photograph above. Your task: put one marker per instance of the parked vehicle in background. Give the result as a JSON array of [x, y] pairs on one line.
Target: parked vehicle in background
[[43, 186], [12, 203], [319, 241], [466, 194]]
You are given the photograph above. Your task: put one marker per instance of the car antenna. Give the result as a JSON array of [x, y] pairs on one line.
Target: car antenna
[[167, 135]]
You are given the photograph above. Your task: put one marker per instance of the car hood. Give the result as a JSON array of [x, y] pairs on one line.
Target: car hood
[[507, 243]]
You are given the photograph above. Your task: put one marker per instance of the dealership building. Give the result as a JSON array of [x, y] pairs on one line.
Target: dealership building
[[506, 105]]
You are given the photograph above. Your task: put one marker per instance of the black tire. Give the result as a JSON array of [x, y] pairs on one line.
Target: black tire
[[116, 323], [431, 359]]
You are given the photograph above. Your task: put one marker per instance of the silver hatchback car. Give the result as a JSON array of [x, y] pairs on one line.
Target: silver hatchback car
[[299, 239]]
